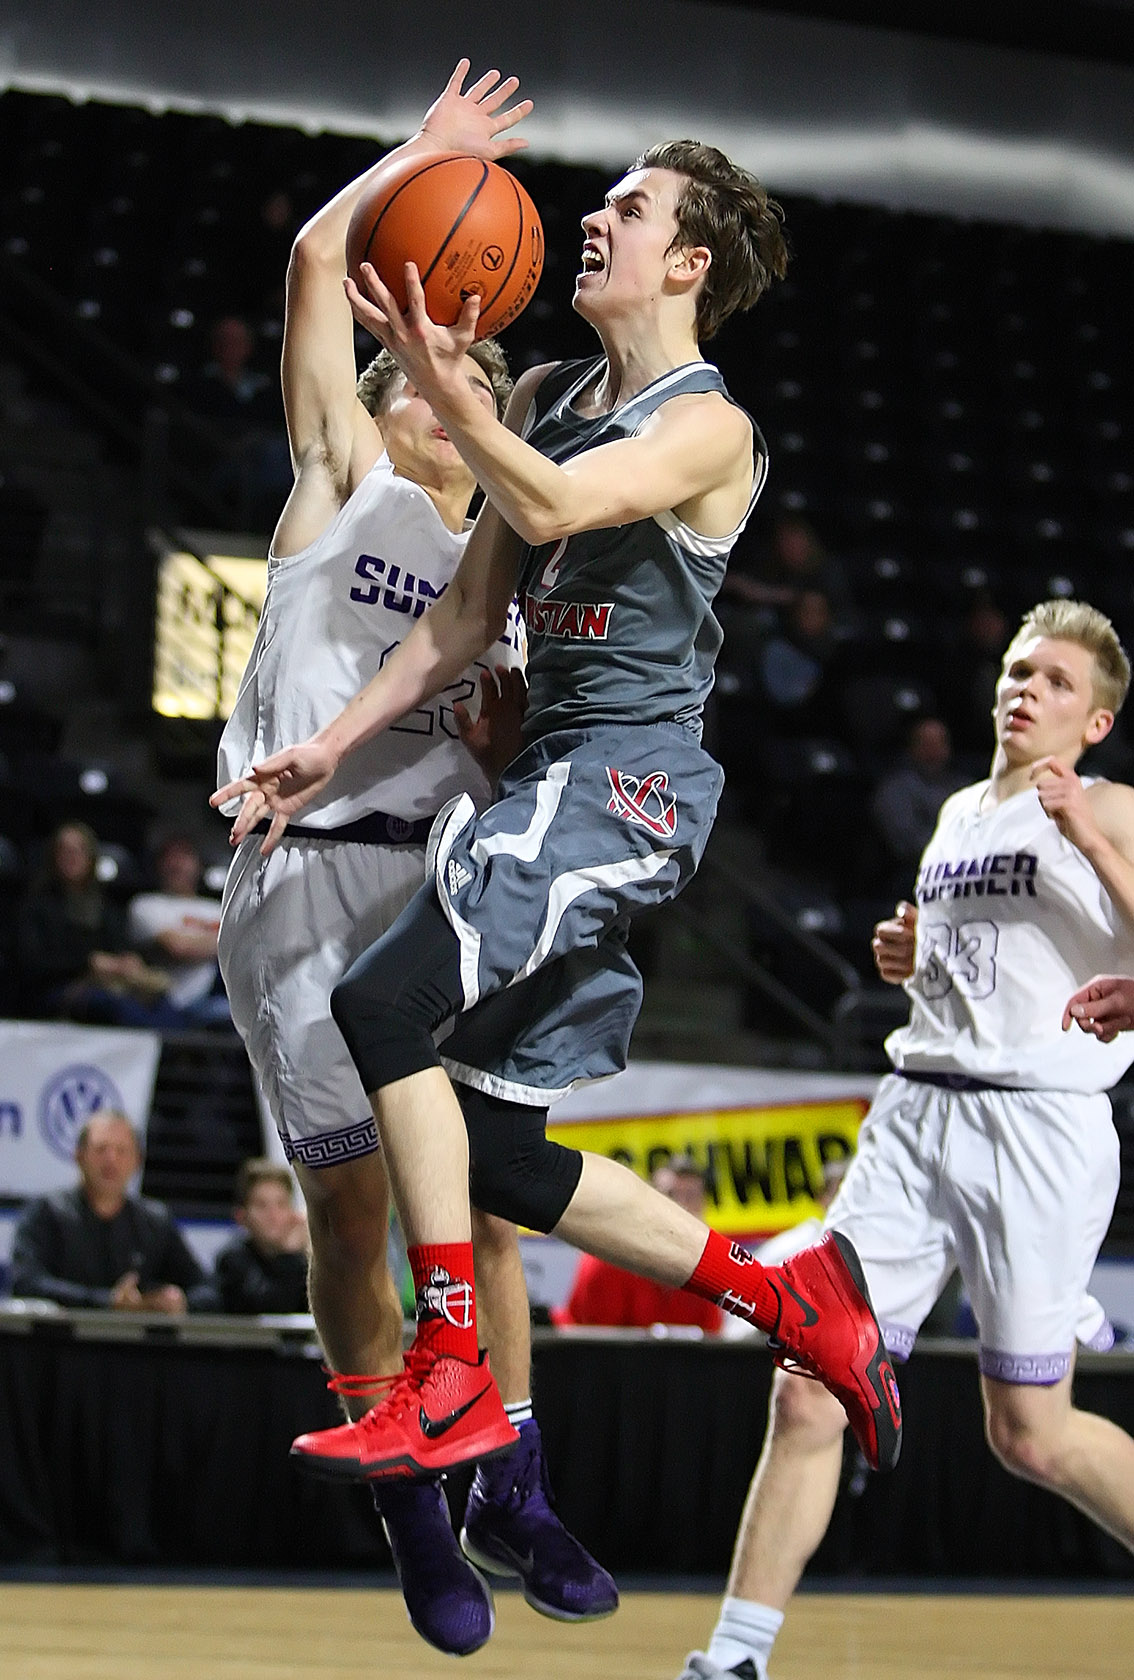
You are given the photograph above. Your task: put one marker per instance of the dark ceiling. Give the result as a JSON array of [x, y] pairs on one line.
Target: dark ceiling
[[1096, 29]]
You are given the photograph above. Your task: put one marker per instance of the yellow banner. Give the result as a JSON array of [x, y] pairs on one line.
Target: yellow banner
[[763, 1165]]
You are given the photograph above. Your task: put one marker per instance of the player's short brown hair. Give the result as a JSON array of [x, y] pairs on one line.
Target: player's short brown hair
[[1087, 627], [376, 383], [723, 207], [260, 1170]]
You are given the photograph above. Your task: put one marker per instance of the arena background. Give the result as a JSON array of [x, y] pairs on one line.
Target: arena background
[[945, 382]]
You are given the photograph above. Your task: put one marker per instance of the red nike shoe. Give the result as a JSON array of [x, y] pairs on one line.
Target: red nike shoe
[[441, 1412], [827, 1329]]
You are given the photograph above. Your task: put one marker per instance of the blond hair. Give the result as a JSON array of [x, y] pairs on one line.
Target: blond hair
[[1087, 627]]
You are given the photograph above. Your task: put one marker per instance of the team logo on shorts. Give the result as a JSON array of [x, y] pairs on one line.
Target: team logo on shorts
[[447, 1298], [644, 800]]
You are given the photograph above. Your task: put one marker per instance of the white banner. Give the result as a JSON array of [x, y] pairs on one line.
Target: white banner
[[53, 1077]]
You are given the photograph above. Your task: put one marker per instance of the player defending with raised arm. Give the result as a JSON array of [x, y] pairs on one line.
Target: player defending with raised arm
[[612, 517], [372, 533], [991, 1146]]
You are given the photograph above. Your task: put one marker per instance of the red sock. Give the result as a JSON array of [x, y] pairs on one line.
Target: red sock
[[446, 1303], [727, 1274]]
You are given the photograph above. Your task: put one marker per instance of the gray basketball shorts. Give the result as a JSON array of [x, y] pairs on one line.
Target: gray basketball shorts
[[590, 826]]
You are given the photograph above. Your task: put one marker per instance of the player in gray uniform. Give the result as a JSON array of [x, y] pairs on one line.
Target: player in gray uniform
[[371, 534], [613, 515], [991, 1146]]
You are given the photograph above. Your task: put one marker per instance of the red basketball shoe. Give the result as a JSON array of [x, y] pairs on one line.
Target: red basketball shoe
[[827, 1329], [441, 1412]]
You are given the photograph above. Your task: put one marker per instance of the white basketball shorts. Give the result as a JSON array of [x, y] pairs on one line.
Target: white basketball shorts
[[291, 925], [1016, 1188]]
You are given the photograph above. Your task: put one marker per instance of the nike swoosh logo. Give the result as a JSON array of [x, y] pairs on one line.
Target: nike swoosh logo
[[810, 1316], [432, 1428]]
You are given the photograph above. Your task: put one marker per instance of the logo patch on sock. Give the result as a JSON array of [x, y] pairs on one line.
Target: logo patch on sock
[[444, 1296]]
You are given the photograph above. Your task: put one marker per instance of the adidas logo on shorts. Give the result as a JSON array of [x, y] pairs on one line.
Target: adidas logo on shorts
[[456, 875]]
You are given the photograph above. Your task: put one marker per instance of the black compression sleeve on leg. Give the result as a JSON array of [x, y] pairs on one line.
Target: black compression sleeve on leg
[[515, 1171], [389, 1002]]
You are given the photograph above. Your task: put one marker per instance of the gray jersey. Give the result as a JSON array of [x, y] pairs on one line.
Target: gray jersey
[[620, 621]]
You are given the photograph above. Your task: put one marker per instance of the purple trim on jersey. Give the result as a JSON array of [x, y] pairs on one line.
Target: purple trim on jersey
[[899, 1339], [1103, 1339], [1039, 1370], [331, 1149]]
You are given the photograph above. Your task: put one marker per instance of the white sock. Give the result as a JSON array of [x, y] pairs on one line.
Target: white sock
[[518, 1412], [744, 1629]]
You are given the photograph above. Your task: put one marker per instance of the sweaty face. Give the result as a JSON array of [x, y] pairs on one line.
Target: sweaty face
[[1045, 703], [415, 440], [627, 246]]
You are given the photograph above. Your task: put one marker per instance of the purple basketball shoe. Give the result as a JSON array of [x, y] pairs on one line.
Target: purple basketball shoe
[[511, 1529], [449, 1602]]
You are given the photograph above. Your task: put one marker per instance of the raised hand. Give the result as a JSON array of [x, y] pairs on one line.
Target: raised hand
[[1104, 1007], [894, 944], [429, 355], [1064, 799], [472, 120]]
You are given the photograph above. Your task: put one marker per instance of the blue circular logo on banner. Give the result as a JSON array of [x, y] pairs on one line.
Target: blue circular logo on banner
[[67, 1102]]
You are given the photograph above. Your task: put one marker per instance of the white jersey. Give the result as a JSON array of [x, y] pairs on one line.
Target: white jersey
[[1011, 920], [333, 614]]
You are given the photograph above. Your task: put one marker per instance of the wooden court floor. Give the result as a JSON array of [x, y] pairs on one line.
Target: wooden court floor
[[271, 1633]]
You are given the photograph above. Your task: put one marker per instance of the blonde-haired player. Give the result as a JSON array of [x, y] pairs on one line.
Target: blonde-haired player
[[991, 1145]]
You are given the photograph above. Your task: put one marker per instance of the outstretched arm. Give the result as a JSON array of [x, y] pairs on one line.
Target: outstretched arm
[[333, 440], [457, 629]]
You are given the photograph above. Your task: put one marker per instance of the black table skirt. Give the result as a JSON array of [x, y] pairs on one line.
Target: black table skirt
[[162, 1451]]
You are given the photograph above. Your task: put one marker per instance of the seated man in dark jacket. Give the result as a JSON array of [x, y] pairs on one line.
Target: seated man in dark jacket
[[265, 1269], [99, 1246]]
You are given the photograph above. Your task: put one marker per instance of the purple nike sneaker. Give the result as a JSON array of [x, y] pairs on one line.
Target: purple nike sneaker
[[511, 1529], [449, 1602]]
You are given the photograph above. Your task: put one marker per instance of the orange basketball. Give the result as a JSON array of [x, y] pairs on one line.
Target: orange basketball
[[467, 224]]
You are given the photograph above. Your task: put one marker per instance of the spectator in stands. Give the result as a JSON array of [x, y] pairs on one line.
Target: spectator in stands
[[243, 404], [264, 1270], [970, 674], [794, 666], [605, 1294], [906, 800], [793, 561], [175, 930], [98, 1245], [71, 939]]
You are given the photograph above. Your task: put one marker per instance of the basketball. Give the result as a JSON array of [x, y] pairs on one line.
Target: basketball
[[467, 224]]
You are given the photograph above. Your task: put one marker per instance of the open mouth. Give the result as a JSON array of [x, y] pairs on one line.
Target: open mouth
[[593, 261]]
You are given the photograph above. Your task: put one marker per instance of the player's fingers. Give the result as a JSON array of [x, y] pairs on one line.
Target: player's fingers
[[466, 321], [247, 818], [496, 96], [484, 85], [514, 114], [231, 790], [366, 312], [274, 834], [457, 78]]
